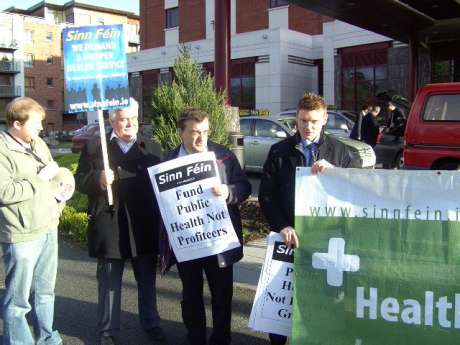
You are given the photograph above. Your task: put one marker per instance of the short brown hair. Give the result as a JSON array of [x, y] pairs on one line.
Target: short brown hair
[[195, 115], [19, 110], [311, 101]]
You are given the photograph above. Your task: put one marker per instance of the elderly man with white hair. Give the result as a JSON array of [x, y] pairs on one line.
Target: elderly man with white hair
[[127, 230]]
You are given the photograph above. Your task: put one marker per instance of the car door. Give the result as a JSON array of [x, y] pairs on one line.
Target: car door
[[266, 133], [246, 128]]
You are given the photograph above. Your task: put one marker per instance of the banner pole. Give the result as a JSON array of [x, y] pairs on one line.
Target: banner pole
[[105, 156]]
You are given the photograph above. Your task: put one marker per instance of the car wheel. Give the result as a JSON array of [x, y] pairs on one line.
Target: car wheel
[[450, 166], [399, 160]]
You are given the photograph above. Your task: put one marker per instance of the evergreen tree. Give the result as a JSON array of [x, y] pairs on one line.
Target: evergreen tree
[[191, 88]]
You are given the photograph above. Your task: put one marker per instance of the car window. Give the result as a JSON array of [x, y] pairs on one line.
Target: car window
[[442, 108], [245, 127], [289, 123], [334, 121], [268, 129]]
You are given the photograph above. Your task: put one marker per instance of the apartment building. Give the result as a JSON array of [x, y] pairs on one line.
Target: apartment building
[[40, 28], [11, 68], [278, 51]]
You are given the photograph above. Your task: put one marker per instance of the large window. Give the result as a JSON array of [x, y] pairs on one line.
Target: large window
[[28, 60], [243, 84], [278, 3], [172, 17], [29, 83], [364, 74]]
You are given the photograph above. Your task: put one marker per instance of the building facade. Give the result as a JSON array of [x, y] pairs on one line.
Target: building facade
[[40, 28], [278, 51], [11, 57]]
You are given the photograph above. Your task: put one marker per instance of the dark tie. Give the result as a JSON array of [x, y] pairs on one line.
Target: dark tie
[[310, 152]]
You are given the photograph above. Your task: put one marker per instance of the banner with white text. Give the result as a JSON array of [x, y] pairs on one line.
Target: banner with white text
[[271, 311], [379, 258], [197, 221]]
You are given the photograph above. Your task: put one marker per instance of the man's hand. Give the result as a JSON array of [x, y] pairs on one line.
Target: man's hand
[[320, 166], [48, 171], [106, 178], [290, 237], [220, 190]]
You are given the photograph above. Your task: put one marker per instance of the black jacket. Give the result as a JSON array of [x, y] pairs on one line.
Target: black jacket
[[239, 190], [370, 130], [277, 186], [130, 227]]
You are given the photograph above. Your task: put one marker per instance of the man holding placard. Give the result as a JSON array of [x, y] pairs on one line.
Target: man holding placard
[[126, 230], [310, 147], [193, 126]]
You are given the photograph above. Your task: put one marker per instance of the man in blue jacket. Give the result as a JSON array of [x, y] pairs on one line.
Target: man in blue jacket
[[193, 126]]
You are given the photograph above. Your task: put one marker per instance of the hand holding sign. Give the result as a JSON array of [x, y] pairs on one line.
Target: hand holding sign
[[220, 190]]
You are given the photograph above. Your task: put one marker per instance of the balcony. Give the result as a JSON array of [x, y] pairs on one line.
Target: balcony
[[8, 91], [9, 67]]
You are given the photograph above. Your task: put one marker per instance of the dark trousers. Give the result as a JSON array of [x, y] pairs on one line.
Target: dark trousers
[[109, 278], [276, 339], [220, 281]]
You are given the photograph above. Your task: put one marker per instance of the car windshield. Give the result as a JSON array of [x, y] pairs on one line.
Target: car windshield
[[289, 124]]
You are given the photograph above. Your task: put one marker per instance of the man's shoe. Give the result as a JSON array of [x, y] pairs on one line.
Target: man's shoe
[[156, 334], [107, 340]]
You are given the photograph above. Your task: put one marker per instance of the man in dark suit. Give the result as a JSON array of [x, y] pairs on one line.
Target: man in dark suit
[[128, 230], [310, 147], [193, 126]]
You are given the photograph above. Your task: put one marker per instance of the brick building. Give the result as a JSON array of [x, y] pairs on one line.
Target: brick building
[[40, 28], [278, 51]]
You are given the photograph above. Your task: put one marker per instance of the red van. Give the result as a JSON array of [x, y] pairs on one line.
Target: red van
[[433, 129]]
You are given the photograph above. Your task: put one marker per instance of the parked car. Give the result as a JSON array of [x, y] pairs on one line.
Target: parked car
[[433, 127], [339, 122], [260, 133], [389, 150], [91, 132]]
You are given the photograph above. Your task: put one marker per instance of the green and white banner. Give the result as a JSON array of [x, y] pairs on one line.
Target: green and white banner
[[379, 258]]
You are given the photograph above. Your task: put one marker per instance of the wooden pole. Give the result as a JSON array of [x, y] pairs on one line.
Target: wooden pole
[[105, 156]]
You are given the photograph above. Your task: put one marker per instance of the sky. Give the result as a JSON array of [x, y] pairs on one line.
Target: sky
[[124, 5]]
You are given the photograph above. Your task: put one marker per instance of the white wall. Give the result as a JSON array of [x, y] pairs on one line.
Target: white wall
[[278, 17], [171, 4], [172, 36]]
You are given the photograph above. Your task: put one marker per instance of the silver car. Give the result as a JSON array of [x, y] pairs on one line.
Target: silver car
[[260, 133]]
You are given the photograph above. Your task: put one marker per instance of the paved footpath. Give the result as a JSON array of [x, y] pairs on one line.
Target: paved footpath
[[76, 300]]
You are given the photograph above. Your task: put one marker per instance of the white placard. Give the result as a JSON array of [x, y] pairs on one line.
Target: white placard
[[197, 222], [272, 308]]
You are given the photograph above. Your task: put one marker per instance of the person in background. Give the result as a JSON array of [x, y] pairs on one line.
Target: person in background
[[309, 147], [129, 229], [193, 126], [396, 121], [370, 128], [357, 127], [29, 217]]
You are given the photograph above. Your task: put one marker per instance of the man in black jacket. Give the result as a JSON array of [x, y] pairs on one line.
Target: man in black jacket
[[193, 126], [310, 146], [126, 230]]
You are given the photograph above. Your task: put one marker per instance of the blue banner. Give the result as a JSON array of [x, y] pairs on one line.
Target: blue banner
[[95, 69]]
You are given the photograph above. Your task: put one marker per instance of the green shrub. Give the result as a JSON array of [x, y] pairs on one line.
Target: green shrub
[[68, 160], [73, 224], [191, 88]]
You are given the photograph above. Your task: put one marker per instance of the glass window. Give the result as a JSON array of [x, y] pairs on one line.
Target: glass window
[[50, 104], [290, 123], [335, 121], [49, 81], [172, 17], [49, 60], [245, 127], [442, 108], [28, 60], [29, 82], [29, 36], [278, 3], [265, 128], [49, 36]]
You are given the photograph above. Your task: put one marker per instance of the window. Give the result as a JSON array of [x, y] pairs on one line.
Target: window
[[278, 3], [172, 17], [50, 104], [165, 78], [265, 128], [28, 60], [442, 108], [243, 84], [245, 127], [49, 60], [335, 121], [29, 83], [49, 36], [29, 36], [100, 21], [49, 82]]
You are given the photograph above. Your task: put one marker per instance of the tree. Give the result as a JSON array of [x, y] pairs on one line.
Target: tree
[[191, 88]]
